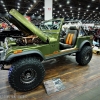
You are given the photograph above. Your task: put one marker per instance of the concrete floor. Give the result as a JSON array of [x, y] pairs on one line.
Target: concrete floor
[[81, 82]]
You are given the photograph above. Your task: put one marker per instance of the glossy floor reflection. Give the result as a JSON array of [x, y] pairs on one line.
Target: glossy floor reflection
[[77, 79]]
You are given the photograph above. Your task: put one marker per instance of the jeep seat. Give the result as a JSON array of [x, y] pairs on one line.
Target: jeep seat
[[70, 38]]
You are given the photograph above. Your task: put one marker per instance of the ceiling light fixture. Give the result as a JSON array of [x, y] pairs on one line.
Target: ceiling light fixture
[[31, 5], [3, 5], [68, 2], [60, 6], [1, 1], [63, 9], [40, 9], [96, 7], [18, 6], [71, 7], [6, 10], [71, 11], [53, 8], [29, 8], [88, 6], [34, 1], [79, 8], [18, 3]]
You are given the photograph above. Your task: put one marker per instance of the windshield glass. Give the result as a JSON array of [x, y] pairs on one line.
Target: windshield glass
[[50, 25]]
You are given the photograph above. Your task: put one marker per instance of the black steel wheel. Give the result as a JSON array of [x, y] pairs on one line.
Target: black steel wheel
[[26, 74], [84, 56]]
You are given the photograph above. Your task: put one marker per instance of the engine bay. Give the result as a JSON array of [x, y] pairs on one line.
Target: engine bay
[[32, 39], [21, 41]]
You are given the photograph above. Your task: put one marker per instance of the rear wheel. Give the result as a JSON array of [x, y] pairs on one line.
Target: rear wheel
[[26, 74], [84, 56]]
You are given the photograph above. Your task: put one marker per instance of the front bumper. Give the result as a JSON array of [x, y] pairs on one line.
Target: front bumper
[[2, 55]]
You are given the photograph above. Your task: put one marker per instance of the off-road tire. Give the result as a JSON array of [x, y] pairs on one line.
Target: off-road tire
[[84, 56], [26, 74]]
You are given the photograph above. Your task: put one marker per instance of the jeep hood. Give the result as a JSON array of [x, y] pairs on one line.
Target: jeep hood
[[24, 25]]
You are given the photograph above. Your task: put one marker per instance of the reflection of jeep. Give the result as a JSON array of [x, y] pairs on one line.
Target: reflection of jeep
[[25, 53]]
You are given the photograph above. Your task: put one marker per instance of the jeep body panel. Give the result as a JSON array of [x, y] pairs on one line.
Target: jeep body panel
[[84, 43], [82, 40], [29, 50], [34, 52], [51, 50], [51, 38]]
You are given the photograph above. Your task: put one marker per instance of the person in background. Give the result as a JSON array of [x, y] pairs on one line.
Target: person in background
[[97, 36], [3, 25]]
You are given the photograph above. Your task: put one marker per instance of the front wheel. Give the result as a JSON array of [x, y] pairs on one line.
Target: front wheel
[[26, 74], [84, 56]]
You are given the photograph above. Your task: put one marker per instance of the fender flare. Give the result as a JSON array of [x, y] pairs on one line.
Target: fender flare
[[31, 52], [86, 42]]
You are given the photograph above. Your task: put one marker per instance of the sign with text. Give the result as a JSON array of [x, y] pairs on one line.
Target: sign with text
[[54, 85]]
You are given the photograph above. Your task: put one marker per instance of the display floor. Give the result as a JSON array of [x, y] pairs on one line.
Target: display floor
[[81, 82], [93, 94]]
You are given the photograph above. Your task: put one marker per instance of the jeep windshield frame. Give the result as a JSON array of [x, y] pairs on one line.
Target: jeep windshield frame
[[51, 24]]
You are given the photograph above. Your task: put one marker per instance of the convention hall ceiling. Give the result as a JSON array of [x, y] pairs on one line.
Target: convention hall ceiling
[[86, 10]]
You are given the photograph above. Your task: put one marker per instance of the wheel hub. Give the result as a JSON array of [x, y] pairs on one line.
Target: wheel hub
[[87, 56], [28, 76]]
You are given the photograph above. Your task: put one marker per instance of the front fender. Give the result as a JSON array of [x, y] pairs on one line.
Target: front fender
[[36, 53]]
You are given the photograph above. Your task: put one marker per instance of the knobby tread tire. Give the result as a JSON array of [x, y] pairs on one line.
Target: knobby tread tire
[[17, 69], [80, 56]]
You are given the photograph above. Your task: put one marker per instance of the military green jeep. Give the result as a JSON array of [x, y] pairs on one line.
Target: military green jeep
[[25, 53]]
